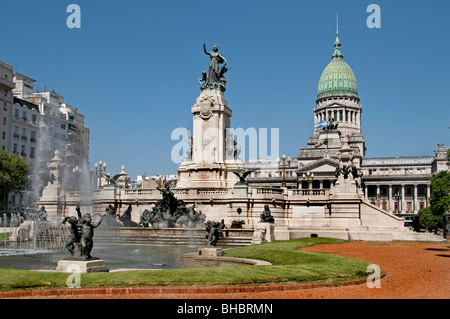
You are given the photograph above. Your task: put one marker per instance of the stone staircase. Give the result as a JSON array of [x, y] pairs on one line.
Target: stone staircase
[[357, 233], [170, 236], [409, 235]]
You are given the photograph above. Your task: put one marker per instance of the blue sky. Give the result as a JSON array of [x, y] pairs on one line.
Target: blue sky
[[132, 69]]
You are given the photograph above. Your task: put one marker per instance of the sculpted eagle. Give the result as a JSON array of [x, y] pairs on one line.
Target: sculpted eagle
[[242, 175]]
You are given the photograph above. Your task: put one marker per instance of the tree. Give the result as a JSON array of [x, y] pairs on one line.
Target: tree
[[440, 198], [14, 172], [434, 217], [440, 195], [425, 219]]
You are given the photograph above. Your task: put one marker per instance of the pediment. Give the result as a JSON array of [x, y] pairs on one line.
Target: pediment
[[320, 166]]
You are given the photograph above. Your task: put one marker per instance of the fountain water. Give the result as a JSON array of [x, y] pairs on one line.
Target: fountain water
[[31, 233]]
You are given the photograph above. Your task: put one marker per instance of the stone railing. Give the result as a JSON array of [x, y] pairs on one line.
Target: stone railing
[[138, 192], [180, 191], [269, 191], [81, 194], [212, 191], [308, 192]]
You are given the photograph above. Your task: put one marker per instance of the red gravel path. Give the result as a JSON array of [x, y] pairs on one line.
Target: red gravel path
[[413, 270]]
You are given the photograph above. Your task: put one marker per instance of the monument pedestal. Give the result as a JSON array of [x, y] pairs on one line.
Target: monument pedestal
[[264, 232], [210, 251], [345, 189], [240, 190], [213, 154], [75, 264]]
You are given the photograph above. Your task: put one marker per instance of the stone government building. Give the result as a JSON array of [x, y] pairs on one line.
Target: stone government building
[[400, 185]]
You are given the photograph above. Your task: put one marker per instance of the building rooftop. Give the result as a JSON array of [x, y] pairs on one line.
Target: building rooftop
[[30, 105], [338, 78], [397, 160]]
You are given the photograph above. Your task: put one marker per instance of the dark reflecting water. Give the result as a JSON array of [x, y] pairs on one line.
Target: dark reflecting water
[[116, 256]]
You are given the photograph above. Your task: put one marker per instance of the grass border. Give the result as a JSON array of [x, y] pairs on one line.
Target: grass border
[[285, 256]]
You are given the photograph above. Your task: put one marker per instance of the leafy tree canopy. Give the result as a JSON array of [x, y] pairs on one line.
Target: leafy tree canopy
[[14, 172], [425, 219], [440, 196]]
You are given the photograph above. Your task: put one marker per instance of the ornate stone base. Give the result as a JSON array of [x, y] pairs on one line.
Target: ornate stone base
[[264, 232], [74, 264]]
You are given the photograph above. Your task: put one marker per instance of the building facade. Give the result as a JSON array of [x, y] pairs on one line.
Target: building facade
[[62, 128], [399, 186], [25, 121], [34, 124], [6, 99]]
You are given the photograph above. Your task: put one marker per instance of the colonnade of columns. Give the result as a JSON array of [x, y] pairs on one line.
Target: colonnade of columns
[[343, 115], [401, 198]]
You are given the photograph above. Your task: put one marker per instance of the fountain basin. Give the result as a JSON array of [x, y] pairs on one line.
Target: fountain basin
[[171, 236], [119, 256]]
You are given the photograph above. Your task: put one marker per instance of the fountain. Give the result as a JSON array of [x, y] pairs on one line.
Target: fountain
[[168, 222], [170, 212], [30, 233], [80, 244]]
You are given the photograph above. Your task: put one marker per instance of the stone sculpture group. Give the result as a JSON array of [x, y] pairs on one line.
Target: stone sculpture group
[[169, 212], [80, 240]]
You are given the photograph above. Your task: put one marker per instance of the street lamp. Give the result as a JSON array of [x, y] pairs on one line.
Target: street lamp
[[283, 166], [308, 177], [100, 168], [397, 198]]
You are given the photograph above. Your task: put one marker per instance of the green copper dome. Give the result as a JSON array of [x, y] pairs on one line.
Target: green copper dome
[[337, 79]]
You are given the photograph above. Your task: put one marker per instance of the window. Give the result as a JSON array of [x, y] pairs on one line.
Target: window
[[33, 118], [4, 121], [396, 207], [33, 136], [409, 207], [409, 191], [4, 135]]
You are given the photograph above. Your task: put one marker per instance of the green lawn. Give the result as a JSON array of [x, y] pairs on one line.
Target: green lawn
[[4, 236], [289, 266]]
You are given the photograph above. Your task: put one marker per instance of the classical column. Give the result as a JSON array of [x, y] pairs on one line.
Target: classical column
[[416, 202], [403, 201], [391, 205], [378, 197]]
